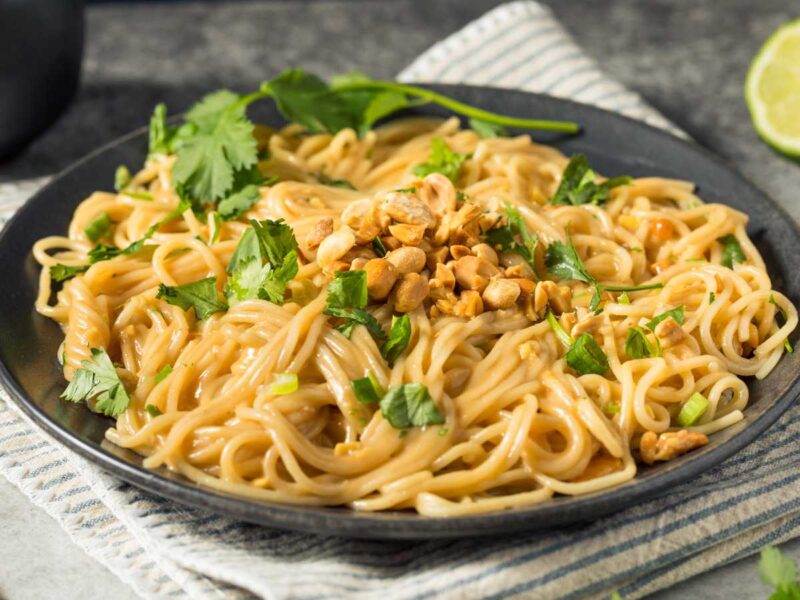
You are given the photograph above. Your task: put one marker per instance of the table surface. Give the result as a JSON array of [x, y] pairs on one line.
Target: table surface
[[688, 58]]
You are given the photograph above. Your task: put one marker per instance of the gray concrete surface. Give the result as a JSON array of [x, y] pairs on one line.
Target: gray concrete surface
[[687, 57]]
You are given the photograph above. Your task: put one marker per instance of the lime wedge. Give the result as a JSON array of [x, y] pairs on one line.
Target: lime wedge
[[772, 90]]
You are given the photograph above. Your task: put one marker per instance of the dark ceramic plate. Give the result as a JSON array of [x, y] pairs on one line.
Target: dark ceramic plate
[[615, 145]]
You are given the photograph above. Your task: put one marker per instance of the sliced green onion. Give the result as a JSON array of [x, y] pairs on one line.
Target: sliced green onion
[[98, 227], [695, 407], [612, 408], [284, 383], [367, 389], [122, 177], [162, 374], [623, 298], [153, 410], [562, 335], [139, 196]]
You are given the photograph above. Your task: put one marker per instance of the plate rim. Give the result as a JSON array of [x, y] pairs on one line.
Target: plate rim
[[395, 525]]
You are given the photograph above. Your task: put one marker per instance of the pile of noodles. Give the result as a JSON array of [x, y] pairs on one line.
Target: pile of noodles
[[520, 425]]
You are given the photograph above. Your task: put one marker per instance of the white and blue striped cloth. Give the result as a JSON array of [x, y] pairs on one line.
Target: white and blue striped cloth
[[162, 549]]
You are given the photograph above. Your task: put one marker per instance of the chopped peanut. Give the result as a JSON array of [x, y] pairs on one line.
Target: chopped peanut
[[487, 253], [359, 263], [548, 292], [444, 277], [469, 304], [319, 232], [669, 444], [411, 291], [589, 325], [473, 273], [335, 246], [407, 259], [670, 331], [457, 251], [407, 209], [363, 218], [500, 293], [381, 277], [515, 265], [410, 235], [526, 286], [436, 256], [390, 242], [439, 193]]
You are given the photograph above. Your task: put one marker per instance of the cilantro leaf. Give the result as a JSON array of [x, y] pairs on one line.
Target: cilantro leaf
[[221, 145], [367, 389], [675, 313], [638, 346], [59, 272], [347, 297], [367, 105], [264, 261], [578, 186], [562, 260], [306, 99], [504, 236], [200, 295], [98, 379], [731, 251], [780, 572], [410, 405], [98, 227], [399, 336], [348, 290], [442, 160], [153, 410], [486, 129], [238, 202]]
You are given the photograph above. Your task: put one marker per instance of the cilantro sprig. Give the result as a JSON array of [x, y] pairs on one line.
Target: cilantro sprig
[[583, 354], [216, 144], [780, 572], [563, 261], [731, 251], [98, 379], [347, 300], [515, 237], [200, 295], [578, 184], [264, 262], [637, 342], [442, 160]]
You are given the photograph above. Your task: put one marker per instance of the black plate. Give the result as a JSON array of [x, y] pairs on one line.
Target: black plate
[[614, 144]]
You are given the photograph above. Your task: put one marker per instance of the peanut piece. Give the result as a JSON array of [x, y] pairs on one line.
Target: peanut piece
[[381, 277]]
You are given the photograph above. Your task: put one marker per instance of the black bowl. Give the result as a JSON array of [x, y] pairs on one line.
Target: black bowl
[[614, 144], [41, 45]]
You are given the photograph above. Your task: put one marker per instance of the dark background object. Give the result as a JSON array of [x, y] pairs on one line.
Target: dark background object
[[41, 45], [614, 144]]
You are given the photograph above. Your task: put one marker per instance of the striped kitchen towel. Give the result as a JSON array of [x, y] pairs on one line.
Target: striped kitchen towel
[[162, 549]]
